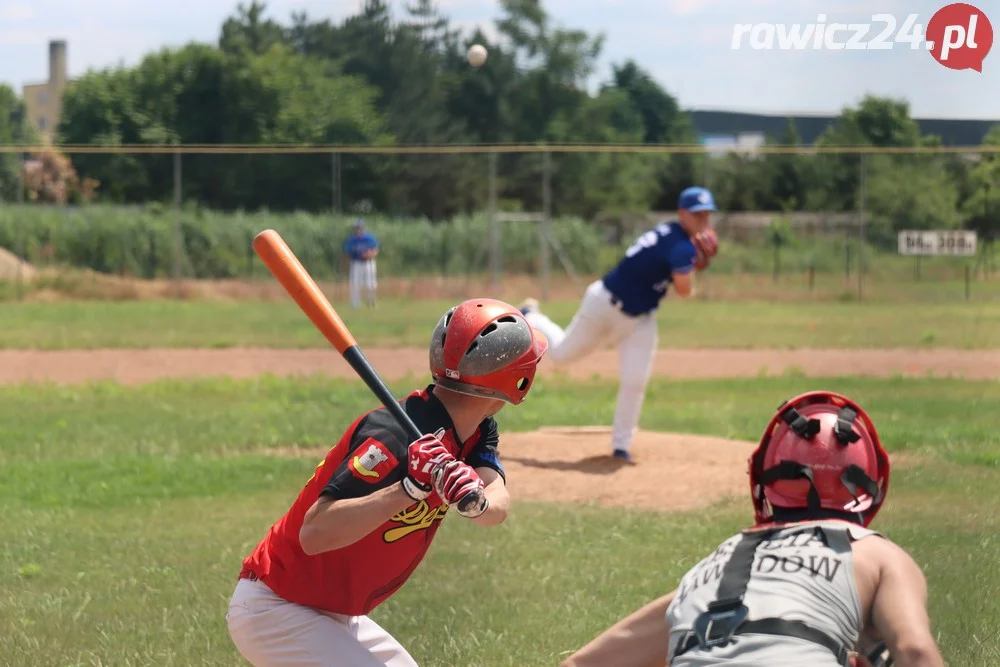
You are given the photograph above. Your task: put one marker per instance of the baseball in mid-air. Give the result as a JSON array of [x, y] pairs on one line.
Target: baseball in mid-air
[[477, 55]]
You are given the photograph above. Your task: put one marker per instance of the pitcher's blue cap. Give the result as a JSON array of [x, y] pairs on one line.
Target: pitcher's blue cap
[[696, 199]]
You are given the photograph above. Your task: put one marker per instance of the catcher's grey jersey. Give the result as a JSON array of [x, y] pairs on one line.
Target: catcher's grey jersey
[[795, 576]]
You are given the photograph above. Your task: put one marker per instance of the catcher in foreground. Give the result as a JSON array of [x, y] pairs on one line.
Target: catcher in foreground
[[809, 583], [621, 306]]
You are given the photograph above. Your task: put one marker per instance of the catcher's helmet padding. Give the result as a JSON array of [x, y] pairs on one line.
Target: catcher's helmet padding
[[819, 452], [485, 347]]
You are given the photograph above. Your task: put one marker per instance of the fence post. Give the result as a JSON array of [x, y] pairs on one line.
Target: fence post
[[862, 206], [967, 279], [178, 231], [546, 227], [494, 231], [335, 183], [19, 196]]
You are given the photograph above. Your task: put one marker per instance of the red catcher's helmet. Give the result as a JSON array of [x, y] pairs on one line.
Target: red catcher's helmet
[[486, 348], [820, 450]]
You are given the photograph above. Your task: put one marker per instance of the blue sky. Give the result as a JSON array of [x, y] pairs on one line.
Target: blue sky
[[686, 44]]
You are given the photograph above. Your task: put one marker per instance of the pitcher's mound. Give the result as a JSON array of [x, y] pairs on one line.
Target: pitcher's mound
[[669, 471]]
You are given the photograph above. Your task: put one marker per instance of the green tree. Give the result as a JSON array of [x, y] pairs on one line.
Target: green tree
[[786, 174], [248, 33], [981, 211], [586, 184], [198, 94], [14, 129], [663, 123], [902, 190]]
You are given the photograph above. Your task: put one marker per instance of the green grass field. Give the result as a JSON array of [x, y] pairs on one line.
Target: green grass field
[[128, 510], [280, 324]]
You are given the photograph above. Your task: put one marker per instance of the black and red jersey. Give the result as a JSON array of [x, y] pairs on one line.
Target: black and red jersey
[[371, 455]]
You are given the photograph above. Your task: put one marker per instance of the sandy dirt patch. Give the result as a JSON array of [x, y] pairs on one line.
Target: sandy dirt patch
[[13, 267], [140, 366]]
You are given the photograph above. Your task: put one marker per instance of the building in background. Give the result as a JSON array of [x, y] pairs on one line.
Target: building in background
[[720, 144], [718, 128], [43, 101]]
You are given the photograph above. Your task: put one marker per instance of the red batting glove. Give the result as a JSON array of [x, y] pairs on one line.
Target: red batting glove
[[424, 455], [459, 485]]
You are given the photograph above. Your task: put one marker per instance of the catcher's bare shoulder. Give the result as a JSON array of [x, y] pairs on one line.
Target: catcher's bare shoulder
[[810, 582], [621, 306]]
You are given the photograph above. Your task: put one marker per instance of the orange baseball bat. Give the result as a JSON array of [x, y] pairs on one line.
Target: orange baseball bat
[[286, 267]]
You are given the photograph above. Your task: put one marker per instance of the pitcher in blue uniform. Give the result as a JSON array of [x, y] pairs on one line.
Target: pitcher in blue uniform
[[620, 308]]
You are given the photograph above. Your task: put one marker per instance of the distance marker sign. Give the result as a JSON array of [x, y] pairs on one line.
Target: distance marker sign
[[959, 242]]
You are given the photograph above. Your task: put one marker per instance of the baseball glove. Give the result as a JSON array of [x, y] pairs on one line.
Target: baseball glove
[[706, 245]]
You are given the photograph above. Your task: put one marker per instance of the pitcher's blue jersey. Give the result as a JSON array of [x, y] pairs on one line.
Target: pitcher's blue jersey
[[641, 278]]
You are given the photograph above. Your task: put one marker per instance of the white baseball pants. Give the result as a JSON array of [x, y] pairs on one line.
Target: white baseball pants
[[269, 631], [362, 277], [599, 322]]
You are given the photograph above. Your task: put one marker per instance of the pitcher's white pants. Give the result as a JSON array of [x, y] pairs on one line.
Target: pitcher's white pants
[[599, 322], [269, 631], [362, 277]]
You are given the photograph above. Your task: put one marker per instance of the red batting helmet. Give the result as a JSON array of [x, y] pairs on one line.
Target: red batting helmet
[[485, 347], [820, 450]]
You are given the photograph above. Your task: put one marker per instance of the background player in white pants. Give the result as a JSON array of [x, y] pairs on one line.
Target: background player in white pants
[[810, 583], [361, 248], [620, 308]]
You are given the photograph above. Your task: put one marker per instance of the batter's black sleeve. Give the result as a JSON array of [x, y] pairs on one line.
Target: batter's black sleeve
[[485, 453], [377, 459]]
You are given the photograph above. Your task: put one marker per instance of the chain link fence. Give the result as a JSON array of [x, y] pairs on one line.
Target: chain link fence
[[820, 244]]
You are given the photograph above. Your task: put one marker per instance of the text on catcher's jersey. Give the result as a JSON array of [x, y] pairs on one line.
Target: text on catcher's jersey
[[371, 455], [642, 276], [795, 576]]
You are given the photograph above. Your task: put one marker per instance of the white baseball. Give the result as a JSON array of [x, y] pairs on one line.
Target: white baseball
[[476, 55]]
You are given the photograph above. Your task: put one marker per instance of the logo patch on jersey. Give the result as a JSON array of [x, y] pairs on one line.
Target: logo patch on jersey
[[373, 461], [417, 517]]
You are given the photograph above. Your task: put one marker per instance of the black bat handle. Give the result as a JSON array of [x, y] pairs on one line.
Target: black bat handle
[[356, 358]]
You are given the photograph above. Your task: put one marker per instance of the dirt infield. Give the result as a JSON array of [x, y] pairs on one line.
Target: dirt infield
[[567, 465], [140, 366], [670, 472]]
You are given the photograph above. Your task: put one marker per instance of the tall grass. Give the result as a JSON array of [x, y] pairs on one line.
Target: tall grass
[[139, 241]]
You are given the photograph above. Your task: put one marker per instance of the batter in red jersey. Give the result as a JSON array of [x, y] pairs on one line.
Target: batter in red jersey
[[364, 521]]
